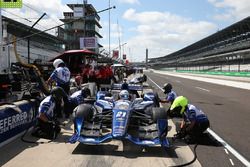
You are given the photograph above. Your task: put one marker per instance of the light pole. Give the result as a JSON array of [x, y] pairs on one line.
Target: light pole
[[29, 37], [1, 42], [109, 27]]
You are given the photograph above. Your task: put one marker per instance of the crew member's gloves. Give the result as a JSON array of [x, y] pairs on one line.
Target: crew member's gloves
[[170, 114], [180, 134], [51, 122]]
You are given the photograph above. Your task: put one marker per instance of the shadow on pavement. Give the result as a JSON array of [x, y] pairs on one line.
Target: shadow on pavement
[[17, 146], [206, 139], [130, 150]]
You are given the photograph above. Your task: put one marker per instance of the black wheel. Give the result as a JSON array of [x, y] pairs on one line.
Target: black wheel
[[156, 99], [85, 111], [159, 113]]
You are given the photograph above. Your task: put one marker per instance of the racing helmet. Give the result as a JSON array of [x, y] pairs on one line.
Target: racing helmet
[[86, 92], [57, 62], [58, 93], [179, 104], [167, 87], [124, 95]]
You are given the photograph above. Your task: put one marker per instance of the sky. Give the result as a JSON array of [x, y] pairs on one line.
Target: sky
[[161, 26]]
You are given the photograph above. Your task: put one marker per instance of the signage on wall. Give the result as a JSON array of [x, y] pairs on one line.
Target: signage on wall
[[78, 12], [115, 54], [88, 43]]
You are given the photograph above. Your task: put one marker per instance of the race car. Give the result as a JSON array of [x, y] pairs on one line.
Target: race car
[[138, 79], [121, 117]]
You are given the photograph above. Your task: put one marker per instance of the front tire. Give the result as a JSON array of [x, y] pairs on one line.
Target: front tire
[[158, 113], [156, 100], [84, 111]]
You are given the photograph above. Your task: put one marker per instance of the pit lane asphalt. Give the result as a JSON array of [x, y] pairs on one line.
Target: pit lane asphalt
[[62, 154], [226, 102]]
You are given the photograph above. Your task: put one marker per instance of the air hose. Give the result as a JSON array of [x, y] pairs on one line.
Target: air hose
[[192, 161], [33, 142], [42, 83]]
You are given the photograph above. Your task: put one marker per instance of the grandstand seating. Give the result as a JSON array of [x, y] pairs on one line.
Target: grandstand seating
[[226, 48]]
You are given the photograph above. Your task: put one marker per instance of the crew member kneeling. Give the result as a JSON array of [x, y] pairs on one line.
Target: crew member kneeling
[[194, 123], [47, 126]]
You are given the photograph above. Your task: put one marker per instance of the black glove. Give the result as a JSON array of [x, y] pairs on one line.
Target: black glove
[[52, 123], [181, 133]]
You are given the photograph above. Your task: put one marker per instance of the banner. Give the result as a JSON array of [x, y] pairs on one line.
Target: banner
[[16, 118], [78, 12], [127, 62], [115, 54]]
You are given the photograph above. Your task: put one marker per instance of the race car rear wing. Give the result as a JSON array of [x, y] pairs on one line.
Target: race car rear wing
[[130, 87]]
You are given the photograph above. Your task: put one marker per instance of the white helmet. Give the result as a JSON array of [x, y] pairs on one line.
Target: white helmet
[[57, 62], [124, 95]]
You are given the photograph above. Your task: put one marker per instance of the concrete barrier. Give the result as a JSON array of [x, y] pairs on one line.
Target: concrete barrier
[[16, 118]]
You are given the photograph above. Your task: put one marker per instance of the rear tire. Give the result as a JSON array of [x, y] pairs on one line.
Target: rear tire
[[156, 100], [158, 113]]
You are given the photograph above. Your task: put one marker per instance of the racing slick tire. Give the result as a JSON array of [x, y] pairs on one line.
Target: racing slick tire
[[158, 113], [85, 111], [156, 99]]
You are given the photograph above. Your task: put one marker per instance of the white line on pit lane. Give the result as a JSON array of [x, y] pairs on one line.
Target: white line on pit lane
[[231, 149], [231, 161], [156, 84], [226, 151], [203, 89]]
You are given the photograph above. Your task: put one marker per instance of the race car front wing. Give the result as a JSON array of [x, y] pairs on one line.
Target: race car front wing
[[161, 140]]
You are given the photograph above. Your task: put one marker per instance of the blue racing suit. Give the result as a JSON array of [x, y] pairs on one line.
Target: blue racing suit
[[171, 96], [191, 114], [47, 129], [61, 75]]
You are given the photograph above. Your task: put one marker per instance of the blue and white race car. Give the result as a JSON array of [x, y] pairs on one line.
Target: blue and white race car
[[121, 117]]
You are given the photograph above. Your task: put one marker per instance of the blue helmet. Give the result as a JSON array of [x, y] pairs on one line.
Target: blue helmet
[[124, 95]]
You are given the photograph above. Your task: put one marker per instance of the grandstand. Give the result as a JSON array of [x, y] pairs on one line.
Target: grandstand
[[225, 50]]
